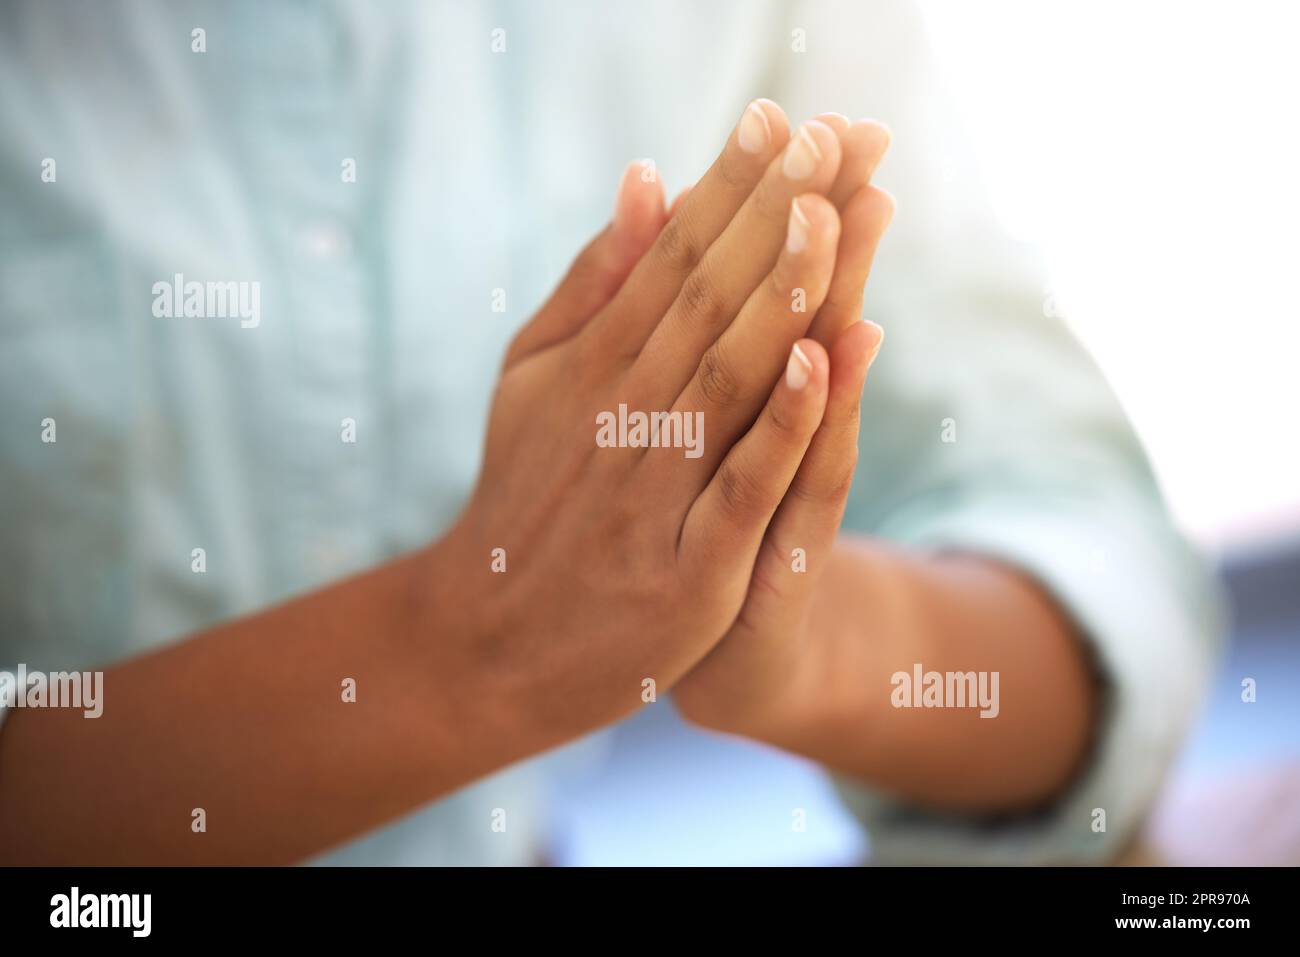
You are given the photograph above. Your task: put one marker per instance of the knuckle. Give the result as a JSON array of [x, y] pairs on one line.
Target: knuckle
[[826, 475], [771, 557], [844, 297], [678, 247], [780, 287], [838, 485], [784, 423], [851, 419], [718, 382], [840, 425], [699, 298], [835, 485], [739, 489]]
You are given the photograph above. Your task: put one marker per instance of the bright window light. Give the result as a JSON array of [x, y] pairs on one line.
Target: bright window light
[[1153, 149]]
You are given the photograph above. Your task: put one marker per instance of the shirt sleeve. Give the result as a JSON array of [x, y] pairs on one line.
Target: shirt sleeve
[[1145, 609], [987, 428]]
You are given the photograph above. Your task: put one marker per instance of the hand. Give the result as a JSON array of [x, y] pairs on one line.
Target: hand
[[738, 686], [622, 564]]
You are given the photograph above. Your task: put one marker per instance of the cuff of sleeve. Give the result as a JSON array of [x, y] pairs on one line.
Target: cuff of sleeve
[[1150, 614]]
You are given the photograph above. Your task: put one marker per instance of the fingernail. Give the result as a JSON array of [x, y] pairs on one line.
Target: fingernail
[[755, 132], [893, 206], [888, 133], [883, 138], [797, 369], [801, 156], [621, 197], [880, 341], [796, 236]]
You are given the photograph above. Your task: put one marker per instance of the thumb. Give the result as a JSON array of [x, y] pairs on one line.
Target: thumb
[[601, 267]]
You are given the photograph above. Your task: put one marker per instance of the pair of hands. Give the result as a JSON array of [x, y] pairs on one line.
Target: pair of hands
[[622, 564]]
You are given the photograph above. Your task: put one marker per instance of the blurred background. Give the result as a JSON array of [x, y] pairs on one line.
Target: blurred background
[[1151, 149]]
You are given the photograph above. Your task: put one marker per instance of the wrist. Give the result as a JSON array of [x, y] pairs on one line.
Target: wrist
[[749, 685], [460, 632]]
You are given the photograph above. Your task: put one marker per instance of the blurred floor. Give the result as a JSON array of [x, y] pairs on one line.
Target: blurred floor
[[668, 794], [1234, 797]]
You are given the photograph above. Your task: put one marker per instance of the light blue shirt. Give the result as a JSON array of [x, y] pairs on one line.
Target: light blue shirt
[[487, 139]]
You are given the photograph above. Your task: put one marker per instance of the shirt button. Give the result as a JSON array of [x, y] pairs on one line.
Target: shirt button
[[329, 559]]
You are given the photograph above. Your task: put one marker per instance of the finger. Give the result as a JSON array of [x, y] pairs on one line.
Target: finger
[[810, 514], [760, 134], [863, 223], [737, 371], [836, 121], [677, 203], [734, 266], [863, 145], [764, 642], [600, 268], [727, 521]]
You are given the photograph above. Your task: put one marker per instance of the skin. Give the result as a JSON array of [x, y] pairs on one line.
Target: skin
[[807, 665], [623, 564]]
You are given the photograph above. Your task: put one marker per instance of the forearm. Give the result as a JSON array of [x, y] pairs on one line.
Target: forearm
[[249, 722], [880, 610]]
